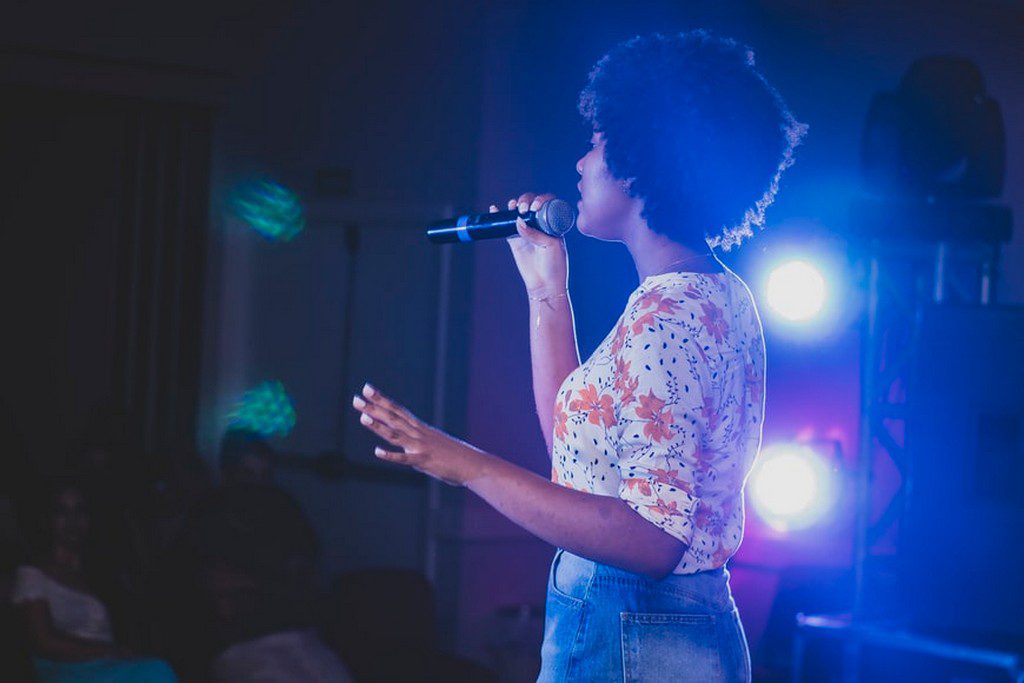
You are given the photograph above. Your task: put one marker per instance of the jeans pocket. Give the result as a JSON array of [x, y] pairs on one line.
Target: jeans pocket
[[573, 582], [683, 648], [564, 626]]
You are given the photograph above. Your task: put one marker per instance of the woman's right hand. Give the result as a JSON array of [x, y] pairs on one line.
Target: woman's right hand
[[542, 259]]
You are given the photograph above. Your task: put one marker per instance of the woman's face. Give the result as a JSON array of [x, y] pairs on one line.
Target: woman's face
[[605, 207], [70, 518]]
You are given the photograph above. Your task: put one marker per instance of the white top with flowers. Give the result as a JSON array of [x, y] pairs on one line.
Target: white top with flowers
[[666, 414]]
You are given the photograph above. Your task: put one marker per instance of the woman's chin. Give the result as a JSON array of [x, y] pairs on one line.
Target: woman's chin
[[581, 228], [584, 227], [588, 231]]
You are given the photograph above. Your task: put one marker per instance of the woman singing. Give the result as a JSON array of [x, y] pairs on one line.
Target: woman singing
[[651, 438]]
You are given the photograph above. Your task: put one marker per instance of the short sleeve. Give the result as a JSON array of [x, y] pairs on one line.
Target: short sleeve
[[659, 376], [29, 584]]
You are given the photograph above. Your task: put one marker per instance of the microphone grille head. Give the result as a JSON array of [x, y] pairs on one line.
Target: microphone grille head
[[556, 217]]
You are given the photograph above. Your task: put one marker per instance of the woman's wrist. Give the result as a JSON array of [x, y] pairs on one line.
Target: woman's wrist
[[546, 291], [549, 299]]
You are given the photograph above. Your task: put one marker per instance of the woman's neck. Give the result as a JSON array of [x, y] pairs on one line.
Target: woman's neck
[[654, 254]]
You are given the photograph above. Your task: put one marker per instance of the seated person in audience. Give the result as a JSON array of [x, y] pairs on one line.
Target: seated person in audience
[[247, 573], [245, 459], [68, 627]]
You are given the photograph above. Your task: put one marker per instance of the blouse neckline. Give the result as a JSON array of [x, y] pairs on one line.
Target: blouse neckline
[[681, 273]]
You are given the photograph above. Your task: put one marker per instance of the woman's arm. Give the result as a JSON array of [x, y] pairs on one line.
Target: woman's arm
[[553, 352], [544, 266], [48, 643], [601, 528]]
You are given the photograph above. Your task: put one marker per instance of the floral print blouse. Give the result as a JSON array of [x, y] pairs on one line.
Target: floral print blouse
[[666, 414]]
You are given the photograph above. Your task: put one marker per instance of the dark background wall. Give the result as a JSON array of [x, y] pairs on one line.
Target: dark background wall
[[454, 105]]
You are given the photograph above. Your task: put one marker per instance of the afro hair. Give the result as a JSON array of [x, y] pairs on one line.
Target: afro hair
[[698, 132]]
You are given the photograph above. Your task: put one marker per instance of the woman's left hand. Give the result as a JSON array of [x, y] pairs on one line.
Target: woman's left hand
[[423, 447]]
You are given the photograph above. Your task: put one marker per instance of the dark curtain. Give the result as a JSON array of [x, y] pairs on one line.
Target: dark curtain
[[103, 207]]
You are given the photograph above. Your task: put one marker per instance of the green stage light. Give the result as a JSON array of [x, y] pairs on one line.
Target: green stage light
[[269, 208], [265, 409]]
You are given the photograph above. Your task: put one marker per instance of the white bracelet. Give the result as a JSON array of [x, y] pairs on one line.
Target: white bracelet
[[547, 299]]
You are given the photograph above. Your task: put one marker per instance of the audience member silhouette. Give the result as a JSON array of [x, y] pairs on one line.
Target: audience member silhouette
[[67, 625], [247, 575]]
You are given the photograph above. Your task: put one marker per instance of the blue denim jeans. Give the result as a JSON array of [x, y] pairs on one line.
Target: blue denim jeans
[[607, 624]]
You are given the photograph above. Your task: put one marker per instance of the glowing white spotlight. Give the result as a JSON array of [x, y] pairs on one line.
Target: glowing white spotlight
[[792, 487], [796, 290]]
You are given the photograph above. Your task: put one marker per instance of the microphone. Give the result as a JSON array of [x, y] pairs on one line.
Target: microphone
[[554, 217]]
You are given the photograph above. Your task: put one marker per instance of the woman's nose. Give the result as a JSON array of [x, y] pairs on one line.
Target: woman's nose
[[579, 165]]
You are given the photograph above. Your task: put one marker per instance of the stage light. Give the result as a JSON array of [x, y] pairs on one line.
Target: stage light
[[269, 208], [796, 290], [792, 486], [265, 409]]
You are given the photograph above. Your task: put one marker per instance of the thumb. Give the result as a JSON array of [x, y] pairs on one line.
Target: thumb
[[534, 236]]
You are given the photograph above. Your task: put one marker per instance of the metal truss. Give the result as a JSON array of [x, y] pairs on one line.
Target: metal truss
[[901, 278]]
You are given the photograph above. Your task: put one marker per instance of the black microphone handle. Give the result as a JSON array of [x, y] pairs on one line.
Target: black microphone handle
[[479, 227]]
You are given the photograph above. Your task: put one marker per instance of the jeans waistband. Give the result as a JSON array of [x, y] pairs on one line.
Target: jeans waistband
[[574, 574]]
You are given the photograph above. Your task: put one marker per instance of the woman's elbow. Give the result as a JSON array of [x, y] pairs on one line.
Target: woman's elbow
[[657, 553], [660, 571], [663, 561]]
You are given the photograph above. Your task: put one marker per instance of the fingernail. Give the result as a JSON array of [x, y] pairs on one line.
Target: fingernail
[[378, 451], [493, 207], [368, 390], [358, 402], [523, 207], [366, 419]]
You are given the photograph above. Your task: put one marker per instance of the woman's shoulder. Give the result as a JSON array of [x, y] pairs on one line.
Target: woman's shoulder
[[716, 310], [30, 571], [683, 295], [30, 583]]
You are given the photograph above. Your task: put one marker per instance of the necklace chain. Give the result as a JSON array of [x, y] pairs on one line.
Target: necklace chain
[[668, 266]]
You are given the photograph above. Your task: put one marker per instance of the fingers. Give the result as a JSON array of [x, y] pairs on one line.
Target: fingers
[[524, 202], [373, 395], [392, 456], [537, 238], [386, 418], [384, 430], [539, 200], [528, 233], [528, 201]]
